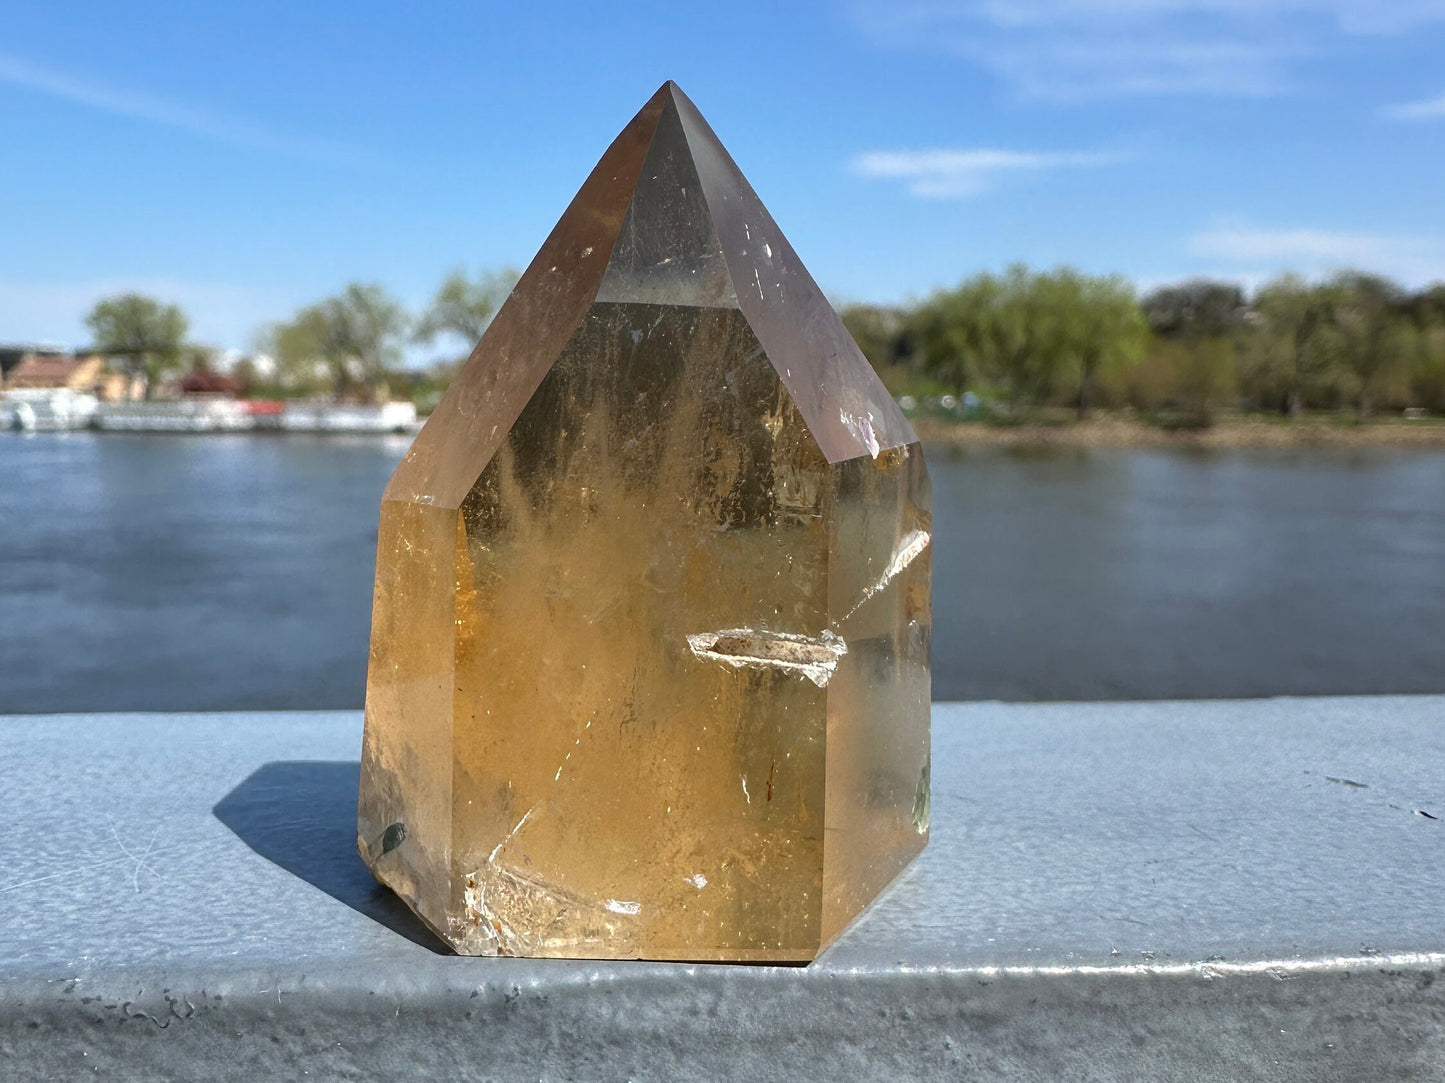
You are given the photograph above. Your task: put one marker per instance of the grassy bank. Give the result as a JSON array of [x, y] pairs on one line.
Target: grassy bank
[[1235, 432]]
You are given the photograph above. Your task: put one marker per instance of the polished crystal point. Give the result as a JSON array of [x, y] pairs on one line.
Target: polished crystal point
[[649, 656]]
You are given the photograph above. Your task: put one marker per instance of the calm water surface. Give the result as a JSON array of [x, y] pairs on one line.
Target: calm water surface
[[234, 572]]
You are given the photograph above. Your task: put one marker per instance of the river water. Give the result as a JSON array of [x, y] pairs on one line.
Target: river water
[[234, 572]]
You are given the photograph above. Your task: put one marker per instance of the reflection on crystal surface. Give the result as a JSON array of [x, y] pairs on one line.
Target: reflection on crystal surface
[[649, 671]]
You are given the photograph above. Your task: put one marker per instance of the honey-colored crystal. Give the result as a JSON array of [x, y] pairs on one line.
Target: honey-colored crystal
[[649, 658]]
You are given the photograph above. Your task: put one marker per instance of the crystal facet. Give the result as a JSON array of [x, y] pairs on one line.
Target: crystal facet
[[649, 657]]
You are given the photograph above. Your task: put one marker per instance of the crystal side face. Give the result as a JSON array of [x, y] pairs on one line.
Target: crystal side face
[[649, 668]]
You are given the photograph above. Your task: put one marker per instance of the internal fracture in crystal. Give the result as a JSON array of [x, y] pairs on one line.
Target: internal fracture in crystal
[[649, 660]]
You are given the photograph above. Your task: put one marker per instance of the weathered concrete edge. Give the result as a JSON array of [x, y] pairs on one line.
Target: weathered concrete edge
[[238, 1008], [1347, 1018]]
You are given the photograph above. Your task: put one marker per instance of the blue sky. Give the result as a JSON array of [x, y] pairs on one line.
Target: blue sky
[[245, 159]]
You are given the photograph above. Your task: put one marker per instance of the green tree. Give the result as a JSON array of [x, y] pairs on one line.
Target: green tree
[[1196, 309], [1427, 376], [1375, 337], [1025, 332], [998, 329], [463, 307], [953, 333], [1195, 378], [197, 358], [1095, 323], [1025, 336], [354, 338], [1427, 307], [145, 334], [1294, 355], [1192, 365], [299, 346], [878, 331], [245, 373]]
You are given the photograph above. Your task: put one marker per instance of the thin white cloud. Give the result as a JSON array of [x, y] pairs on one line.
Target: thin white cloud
[[1077, 49], [135, 105], [1349, 16], [1426, 109], [957, 174], [1414, 260], [1110, 66]]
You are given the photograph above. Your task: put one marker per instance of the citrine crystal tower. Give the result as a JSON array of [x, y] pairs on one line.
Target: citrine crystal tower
[[649, 655]]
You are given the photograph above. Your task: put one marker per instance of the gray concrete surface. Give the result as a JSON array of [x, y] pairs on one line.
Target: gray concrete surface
[[1197, 890]]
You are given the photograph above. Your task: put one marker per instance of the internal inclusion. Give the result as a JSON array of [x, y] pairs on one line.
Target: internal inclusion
[[813, 657]]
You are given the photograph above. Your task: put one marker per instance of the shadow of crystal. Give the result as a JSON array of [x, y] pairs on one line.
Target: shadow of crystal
[[301, 815]]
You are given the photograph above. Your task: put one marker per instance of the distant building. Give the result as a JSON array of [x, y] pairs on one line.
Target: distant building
[[12, 354], [56, 371], [206, 382], [87, 373]]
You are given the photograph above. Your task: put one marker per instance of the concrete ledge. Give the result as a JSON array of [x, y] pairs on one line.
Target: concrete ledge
[[1205, 890]]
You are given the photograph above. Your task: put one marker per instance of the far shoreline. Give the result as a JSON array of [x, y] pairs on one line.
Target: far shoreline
[[1112, 431]]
